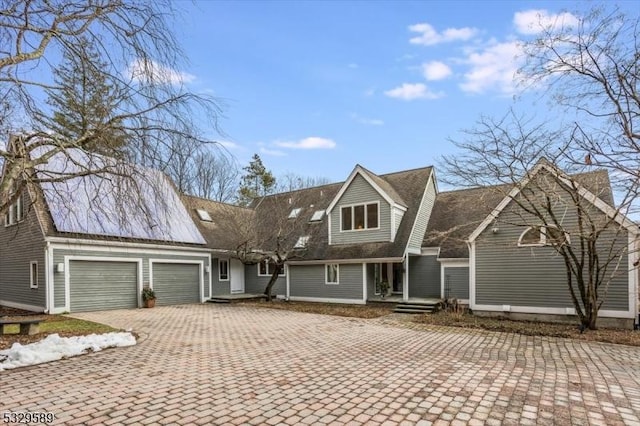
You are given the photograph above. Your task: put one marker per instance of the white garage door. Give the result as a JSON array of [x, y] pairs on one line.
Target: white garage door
[[176, 283], [98, 285]]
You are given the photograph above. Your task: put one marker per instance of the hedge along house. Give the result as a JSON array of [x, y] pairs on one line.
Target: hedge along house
[[92, 242]]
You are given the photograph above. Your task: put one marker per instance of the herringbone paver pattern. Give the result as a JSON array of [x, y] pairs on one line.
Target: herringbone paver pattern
[[212, 364]]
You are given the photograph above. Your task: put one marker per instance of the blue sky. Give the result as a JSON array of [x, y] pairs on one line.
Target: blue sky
[[316, 87]]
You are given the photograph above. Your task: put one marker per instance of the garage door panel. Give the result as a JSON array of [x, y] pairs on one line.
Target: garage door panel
[[176, 283], [100, 285]]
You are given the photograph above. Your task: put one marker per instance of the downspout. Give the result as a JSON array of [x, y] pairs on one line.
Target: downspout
[[48, 285], [288, 283], [405, 278]]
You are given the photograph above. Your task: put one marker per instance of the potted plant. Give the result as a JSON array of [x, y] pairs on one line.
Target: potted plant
[[148, 297], [384, 288]]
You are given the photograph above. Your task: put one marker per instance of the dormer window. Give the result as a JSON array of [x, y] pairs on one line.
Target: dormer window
[[295, 213], [204, 215], [360, 217], [317, 216], [15, 213], [302, 242]]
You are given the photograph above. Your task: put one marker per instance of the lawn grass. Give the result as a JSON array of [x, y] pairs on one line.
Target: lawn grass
[[338, 309], [530, 328], [63, 325]]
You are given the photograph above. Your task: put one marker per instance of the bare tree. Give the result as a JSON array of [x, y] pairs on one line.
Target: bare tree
[[135, 53], [551, 205], [276, 229], [592, 71], [291, 181], [216, 175]]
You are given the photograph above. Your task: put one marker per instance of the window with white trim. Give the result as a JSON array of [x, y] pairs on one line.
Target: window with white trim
[[223, 270], [360, 217], [204, 215], [33, 274], [15, 213], [317, 216], [302, 242], [295, 213], [265, 268], [332, 273], [537, 236]]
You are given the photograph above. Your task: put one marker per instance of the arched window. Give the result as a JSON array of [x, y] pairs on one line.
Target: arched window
[[549, 235], [531, 237], [553, 236]]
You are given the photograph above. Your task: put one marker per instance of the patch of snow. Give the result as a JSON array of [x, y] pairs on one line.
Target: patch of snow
[[116, 199], [54, 347]]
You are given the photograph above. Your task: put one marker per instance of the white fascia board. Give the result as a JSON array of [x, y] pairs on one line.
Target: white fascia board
[[549, 311], [359, 171], [589, 196], [77, 243]]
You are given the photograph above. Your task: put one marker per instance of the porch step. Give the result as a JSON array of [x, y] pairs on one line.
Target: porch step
[[218, 300], [234, 298], [415, 308]]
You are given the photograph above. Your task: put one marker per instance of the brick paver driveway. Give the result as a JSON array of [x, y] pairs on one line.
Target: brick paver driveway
[[212, 364]]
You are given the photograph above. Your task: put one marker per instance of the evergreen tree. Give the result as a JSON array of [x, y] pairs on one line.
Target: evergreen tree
[[256, 182], [84, 102]]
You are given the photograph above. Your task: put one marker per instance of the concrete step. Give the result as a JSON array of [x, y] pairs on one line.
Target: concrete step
[[415, 307]]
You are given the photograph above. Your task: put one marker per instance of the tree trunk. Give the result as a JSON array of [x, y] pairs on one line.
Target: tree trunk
[[272, 282]]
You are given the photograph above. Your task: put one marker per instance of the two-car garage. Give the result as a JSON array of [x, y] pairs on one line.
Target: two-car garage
[[102, 283]]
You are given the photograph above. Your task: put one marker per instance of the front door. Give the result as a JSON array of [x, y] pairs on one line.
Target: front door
[[397, 277], [237, 276]]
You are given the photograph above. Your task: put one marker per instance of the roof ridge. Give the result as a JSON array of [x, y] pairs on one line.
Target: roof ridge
[[184, 194]]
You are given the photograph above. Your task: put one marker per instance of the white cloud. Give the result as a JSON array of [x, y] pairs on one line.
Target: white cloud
[[352, 65], [369, 92], [429, 36], [308, 143], [535, 21], [409, 92], [493, 68], [229, 144], [155, 73], [435, 70], [367, 121], [272, 152]]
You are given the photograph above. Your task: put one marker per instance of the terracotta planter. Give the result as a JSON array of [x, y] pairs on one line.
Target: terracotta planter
[[150, 303]]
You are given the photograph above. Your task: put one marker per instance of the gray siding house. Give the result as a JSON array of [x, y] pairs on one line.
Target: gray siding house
[[428, 244], [60, 253], [71, 246], [485, 263]]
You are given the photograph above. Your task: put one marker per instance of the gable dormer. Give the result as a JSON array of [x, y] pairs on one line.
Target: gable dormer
[[366, 210]]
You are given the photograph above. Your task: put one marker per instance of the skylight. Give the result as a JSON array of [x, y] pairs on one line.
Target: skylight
[[295, 213], [302, 242], [204, 215], [317, 216]]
